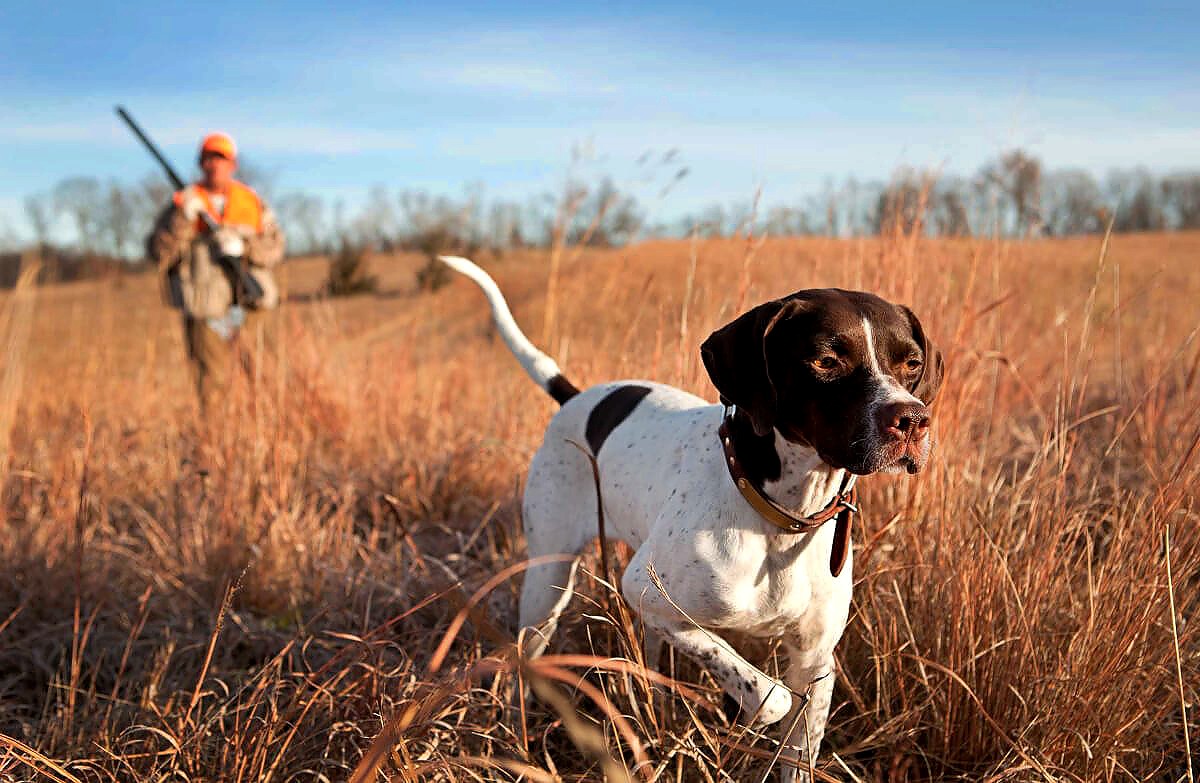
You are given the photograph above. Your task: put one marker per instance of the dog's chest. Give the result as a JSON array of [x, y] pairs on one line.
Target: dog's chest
[[772, 590]]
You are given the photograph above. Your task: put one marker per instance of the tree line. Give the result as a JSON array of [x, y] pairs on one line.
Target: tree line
[[1013, 195]]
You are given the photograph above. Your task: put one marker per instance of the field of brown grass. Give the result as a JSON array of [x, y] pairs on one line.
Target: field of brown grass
[[261, 601]]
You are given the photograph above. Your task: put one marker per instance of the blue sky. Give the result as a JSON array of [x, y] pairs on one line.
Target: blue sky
[[336, 98]]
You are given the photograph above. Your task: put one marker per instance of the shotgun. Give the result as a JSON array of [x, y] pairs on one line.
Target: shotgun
[[246, 290]]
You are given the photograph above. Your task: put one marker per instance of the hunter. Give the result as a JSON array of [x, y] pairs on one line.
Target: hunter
[[199, 266]]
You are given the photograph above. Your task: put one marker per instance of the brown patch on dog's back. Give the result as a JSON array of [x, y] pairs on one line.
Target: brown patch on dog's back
[[610, 412]]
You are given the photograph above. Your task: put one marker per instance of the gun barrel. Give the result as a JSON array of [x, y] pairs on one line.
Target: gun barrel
[[167, 168], [149, 145]]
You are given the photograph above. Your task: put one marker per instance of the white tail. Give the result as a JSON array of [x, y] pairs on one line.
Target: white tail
[[541, 368]]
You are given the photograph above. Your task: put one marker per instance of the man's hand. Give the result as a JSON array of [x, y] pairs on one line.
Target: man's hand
[[230, 242], [192, 206]]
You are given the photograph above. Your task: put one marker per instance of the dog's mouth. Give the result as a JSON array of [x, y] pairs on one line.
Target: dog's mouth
[[914, 453], [909, 456]]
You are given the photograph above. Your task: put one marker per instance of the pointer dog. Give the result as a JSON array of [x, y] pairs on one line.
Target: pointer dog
[[728, 504]]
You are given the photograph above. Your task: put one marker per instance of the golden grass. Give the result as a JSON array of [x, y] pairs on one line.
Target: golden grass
[[260, 602]]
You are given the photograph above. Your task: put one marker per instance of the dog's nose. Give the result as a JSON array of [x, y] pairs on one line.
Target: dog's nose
[[903, 420]]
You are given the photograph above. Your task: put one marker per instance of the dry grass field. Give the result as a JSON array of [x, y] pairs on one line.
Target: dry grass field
[[330, 562]]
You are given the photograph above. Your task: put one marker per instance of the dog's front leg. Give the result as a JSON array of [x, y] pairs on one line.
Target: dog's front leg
[[811, 674], [762, 699]]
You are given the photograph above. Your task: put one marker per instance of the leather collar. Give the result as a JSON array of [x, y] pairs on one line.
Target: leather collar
[[842, 507]]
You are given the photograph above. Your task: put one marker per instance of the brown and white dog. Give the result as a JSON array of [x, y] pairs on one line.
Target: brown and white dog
[[818, 387]]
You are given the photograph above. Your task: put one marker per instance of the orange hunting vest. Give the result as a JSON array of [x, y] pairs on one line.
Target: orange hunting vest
[[243, 207]]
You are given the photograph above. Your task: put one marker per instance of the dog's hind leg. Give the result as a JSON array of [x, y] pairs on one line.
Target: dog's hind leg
[[558, 508], [547, 591]]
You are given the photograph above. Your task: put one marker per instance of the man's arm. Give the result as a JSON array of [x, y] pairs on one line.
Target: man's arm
[[266, 248], [171, 235]]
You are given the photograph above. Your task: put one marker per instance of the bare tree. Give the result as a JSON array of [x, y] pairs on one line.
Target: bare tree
[[711, 222], [1181, 195], [949, 208], [303, 218], [1073, 204], [1137, 201], [153, 194], [435, 223], [784, 221], [150, 197], [605, 216], [857, 201], [118, 217], [82, 200], [1017, 178], [831, 198], [376, 225], [1025, 182], [901, 206], [504, 231], [39, 212]]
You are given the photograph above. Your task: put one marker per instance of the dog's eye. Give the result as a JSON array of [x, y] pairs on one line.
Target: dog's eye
[[826, 363], [912, 365]]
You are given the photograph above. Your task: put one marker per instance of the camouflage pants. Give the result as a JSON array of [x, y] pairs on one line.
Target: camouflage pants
[[215, 359]]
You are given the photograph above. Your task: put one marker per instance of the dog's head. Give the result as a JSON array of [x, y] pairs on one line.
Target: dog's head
[[843, 372]]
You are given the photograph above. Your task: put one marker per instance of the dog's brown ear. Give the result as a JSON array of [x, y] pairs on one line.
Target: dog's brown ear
[[925, 387], [736, 360]]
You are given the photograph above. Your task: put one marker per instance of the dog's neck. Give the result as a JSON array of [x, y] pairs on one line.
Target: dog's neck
[[791, 474], [806, 484]]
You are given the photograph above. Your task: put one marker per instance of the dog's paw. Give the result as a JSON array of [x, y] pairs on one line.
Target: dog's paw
[[775, 707], [760, 710]]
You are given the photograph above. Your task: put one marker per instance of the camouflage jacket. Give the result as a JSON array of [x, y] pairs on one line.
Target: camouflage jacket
[[186, 260]]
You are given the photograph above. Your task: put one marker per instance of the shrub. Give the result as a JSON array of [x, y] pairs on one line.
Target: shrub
[[348, 271]]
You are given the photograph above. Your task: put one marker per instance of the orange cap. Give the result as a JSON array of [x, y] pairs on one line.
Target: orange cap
[[219, 143]]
